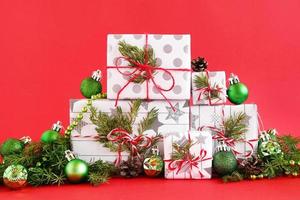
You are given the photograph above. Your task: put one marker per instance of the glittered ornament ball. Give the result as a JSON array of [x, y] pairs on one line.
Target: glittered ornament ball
[[50, 136], [224, 161], [91, 86], [153, 165], [12, 146], [237, 92], [76, 170], [15, 176]]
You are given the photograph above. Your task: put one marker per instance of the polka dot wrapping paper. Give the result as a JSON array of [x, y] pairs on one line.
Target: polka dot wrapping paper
[[171, 52], [202, 141], [204, 116], [84, 138], [216, 79]]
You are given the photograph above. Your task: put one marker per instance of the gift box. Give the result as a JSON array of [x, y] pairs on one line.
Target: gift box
[[208, 88], [84, 138], [170, 79], [196, 164], [212, 118]]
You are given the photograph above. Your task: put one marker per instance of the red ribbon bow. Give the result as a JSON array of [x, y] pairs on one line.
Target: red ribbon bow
[[229, 141], [188, 163], [124, 138], [220, 135], [147, 71], [208, 90]]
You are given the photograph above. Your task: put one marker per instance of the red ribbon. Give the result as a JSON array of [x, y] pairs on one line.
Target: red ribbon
[[146, 70], [220, 135], [208, 90], [189, 162], [122, 137]]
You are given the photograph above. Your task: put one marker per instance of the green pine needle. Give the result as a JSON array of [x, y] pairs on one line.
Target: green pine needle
[[235, 125], [106, 123], [100, 172], [201, 81], [137, 54]]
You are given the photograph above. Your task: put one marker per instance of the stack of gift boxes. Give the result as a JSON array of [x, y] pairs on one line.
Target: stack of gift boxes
[[186, 113]]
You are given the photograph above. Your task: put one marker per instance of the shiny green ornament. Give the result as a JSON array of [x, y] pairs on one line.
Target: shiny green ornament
[[12, 146], [154, 164], [237, 92], [91, 86], [76, 170], [15, 176], [53, 135], [224, 161]]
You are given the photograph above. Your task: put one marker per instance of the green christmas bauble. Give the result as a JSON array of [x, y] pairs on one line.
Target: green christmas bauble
[[268, 148], [15, 176], [237, 93], [153, 165], [224, 162], [76, 170], [50, 136], [90, 87], [12, 146]]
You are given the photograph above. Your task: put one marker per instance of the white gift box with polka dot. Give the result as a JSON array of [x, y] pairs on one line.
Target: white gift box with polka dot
[[216, 78], [171, 52], [204, 115], [203, 141], [84, 139]]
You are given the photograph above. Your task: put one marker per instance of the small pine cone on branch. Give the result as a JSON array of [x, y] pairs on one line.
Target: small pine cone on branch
[[251, 166], [199, 64], [131, 168]]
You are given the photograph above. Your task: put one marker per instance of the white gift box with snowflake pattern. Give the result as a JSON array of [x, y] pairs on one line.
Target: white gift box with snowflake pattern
[[202, 141], [212, 116], [172, 53], [84, 139]]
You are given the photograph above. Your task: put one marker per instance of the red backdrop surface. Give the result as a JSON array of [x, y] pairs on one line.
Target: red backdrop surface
[[47, 47]]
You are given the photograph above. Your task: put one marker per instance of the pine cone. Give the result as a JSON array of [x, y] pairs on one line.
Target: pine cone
[[251, 166], [33, 149], [131, 168], [199, 64]]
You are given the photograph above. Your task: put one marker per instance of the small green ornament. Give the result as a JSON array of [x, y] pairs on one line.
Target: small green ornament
[[224, 161], [53, 135], [91, 86], [237, 92], [15, 176], [153, 165], [76, 170], [12, 146]]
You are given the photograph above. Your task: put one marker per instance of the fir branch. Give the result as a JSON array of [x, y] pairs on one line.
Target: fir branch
[[134, 108], [182, 151], [106, 123], [234, 177], [137, 55], [201, 81], [100, 172], [289, 146], [235, 125], [148, 121]]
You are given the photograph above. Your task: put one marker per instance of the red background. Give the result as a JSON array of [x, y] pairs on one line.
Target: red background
[[48, 46]]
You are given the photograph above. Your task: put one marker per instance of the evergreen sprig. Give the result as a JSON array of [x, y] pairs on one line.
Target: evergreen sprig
[[100, 172], [137, 55], [202, 81], [182, 151], [106, 123], [235, 125]]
